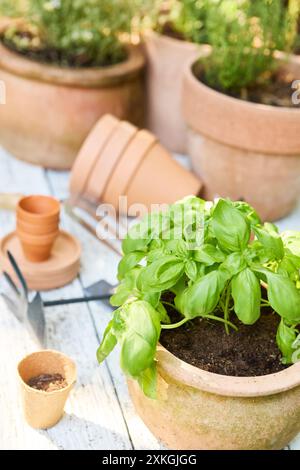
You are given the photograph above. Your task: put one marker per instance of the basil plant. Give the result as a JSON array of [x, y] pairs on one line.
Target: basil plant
[[219, 261]]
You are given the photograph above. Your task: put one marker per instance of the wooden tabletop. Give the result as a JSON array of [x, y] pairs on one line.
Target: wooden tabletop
[[99, 413]]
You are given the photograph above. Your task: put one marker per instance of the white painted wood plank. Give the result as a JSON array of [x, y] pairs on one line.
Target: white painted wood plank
[[93, 419], [98, 262]]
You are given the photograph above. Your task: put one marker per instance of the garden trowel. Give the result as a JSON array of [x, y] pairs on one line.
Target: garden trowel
[[31, 312]]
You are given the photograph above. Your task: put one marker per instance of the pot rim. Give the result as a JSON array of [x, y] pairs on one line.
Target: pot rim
[[228, 100], [225, 385], [89, 77], [174, 42], [26, 214], [54, 353]]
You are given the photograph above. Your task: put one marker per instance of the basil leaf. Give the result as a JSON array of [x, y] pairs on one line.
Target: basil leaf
[[147, 380], [246, 294], [161, 275], [249, 212], [126, 289], [285, 338], [129, 262], [108, 343], [291, 240], [233, 264], [283, 296], [191, 270], [208, 254], [230, 227], [203, 296], [271, 242], [140, 339]]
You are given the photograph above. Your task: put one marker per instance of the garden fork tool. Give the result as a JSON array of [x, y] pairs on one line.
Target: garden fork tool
[[31, 312]]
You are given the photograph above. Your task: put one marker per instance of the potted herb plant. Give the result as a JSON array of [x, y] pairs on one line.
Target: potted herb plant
[[238, 106], [64, 64], [208, 308], [173, 33]]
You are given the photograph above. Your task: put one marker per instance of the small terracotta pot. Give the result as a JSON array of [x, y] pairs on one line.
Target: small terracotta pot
[[199, 410], [37, 226], [108, 159], [166, 58], [62, 104], [42, 409], [127, 166], [34, 229], [37, 248], [242, 149], [159, 179], [132, 163], [90, 151]]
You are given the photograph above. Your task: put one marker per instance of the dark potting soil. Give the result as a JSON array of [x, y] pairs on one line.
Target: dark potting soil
[[250, 351], [48, 382], [59, 58], [277, 91]]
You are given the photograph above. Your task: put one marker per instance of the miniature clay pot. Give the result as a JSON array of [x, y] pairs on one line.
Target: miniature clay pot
[[166, 58], [42, 409], [243, 149], [37, 226], [199, 410], [159, 179], [37, 248], [50, 110]]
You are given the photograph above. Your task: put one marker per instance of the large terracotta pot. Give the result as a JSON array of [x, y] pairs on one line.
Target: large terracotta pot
[[242, 149], [50, 110], [196, 409], [166, 58]]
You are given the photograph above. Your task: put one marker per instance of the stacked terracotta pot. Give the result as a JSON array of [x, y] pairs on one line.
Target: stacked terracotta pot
[[117, 159]]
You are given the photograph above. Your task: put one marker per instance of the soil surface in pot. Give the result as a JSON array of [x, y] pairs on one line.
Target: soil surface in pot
[[251, 351], [277, 91], [55, 57], [48, 382]]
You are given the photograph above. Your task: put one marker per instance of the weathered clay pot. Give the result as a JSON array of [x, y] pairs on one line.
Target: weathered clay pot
[[37, 226], [129, 162], [242, 149], [43, 410], [50, 110], [196, 409], [166, 58], [159, 179]]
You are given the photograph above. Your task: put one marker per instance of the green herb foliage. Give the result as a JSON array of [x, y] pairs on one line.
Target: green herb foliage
[[80, 32], [214, 258], [244, 36]]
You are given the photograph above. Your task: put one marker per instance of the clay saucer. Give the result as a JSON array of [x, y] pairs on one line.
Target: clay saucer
[[60, 269], [90, 151], [127, 166], [108, 160]]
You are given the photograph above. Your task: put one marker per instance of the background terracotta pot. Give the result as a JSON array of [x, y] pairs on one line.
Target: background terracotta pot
[[242, 149], [196, 409], [166, 58], [50, 110]]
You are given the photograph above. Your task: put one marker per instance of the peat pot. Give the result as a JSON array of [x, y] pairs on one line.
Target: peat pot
[[243, 150], [50, 110], [196, 409], [166, 58]]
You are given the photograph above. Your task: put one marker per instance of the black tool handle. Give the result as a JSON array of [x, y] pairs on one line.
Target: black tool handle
[[78, 300]]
